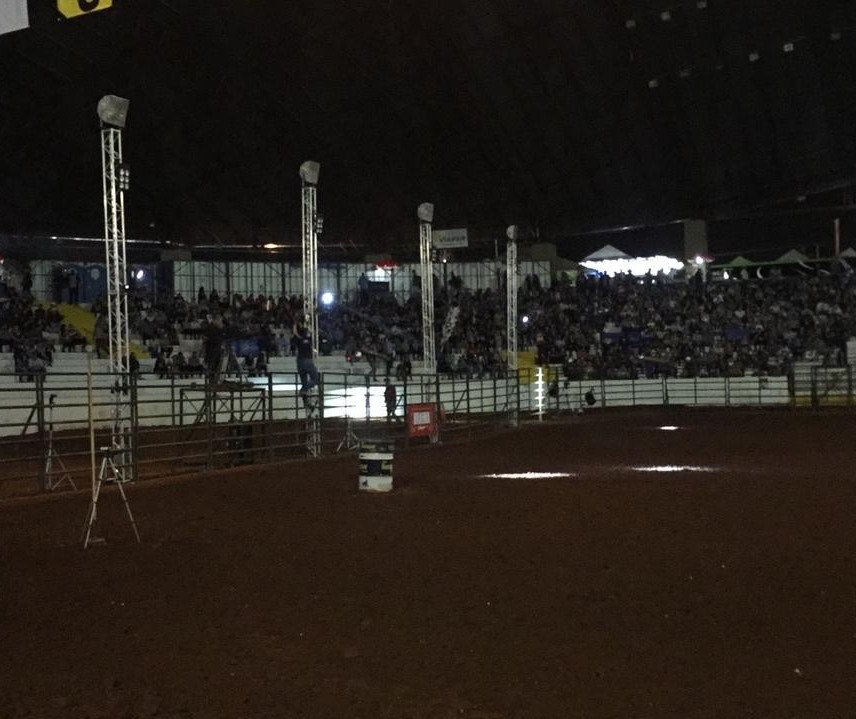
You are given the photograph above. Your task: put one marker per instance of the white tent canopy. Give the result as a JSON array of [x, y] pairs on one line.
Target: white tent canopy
[[607, 252], [611, 261], [792, 257]]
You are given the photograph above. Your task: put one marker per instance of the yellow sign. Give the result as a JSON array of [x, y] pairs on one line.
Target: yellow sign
[[76, 8]]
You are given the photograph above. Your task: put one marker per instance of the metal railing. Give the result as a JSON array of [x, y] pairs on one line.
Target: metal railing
[[49, 423]]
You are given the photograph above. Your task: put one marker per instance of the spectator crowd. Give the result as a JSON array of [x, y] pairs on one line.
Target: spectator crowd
[[595, 327]]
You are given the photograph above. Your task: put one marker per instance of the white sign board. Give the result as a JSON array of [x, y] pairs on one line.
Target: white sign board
[[449, 239]]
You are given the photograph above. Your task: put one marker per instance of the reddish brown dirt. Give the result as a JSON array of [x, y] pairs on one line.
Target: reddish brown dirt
[[284, 592]]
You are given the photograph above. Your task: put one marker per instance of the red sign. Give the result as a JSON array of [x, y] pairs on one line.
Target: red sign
[[422, 420]]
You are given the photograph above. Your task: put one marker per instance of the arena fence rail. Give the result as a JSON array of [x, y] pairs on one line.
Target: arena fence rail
[[189, 424]]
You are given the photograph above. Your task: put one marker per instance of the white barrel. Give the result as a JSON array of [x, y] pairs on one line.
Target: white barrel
[[376, 465]]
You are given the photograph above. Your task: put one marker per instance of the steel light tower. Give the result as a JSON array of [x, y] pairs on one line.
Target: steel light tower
[[425, 213], [113, 113], [309, 180], [512, 282]]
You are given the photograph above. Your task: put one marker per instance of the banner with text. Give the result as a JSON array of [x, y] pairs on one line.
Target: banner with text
[[449, 239], [13, 16]]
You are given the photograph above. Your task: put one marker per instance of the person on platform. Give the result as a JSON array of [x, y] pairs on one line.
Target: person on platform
[[306, 368]]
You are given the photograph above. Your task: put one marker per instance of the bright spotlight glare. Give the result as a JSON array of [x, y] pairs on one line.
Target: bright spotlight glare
[[699, 260], [139, 274], [525, 319], [637, 266], [327, 298]]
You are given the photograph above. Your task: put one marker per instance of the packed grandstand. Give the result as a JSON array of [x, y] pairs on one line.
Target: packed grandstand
[[595, 326]]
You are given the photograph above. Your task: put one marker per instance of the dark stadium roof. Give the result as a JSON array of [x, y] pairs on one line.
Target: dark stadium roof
[[559, 115]]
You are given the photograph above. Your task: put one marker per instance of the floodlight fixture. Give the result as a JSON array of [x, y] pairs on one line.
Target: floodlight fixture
[[511, 232], [309, 172], [425, 212], [124, 177], [140, 274], [525, 319], [113, 110], [327, 298]]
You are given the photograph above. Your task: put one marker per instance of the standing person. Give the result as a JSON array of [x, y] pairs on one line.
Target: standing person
[[73, 287], [212, 347], [389, 397], [306, 368]]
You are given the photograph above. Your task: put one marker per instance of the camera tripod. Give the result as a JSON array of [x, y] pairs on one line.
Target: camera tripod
[[110, 473], [350, 440], [52, 457]]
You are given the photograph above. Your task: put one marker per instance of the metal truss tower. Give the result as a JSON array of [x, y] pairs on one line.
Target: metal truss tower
[[425, 212], [512, 285], [115, 181], [309, 203], [309, 180]]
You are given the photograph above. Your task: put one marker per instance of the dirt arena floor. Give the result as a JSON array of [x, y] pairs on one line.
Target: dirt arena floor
[[727, 590]]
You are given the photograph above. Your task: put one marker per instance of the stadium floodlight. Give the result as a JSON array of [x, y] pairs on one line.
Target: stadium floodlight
[[309, 172], [512, 232], [425, 212], [327, 298], [113, 110]]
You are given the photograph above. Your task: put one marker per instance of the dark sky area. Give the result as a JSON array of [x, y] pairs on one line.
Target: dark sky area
[[562, 116]]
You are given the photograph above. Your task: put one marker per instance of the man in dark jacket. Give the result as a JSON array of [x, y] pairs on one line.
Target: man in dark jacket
[[306, 368]]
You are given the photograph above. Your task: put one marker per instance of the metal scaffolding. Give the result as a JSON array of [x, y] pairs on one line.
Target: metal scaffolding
[[115, 182], [512, 284], [425, 212], [309, 190], [309, 194]]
